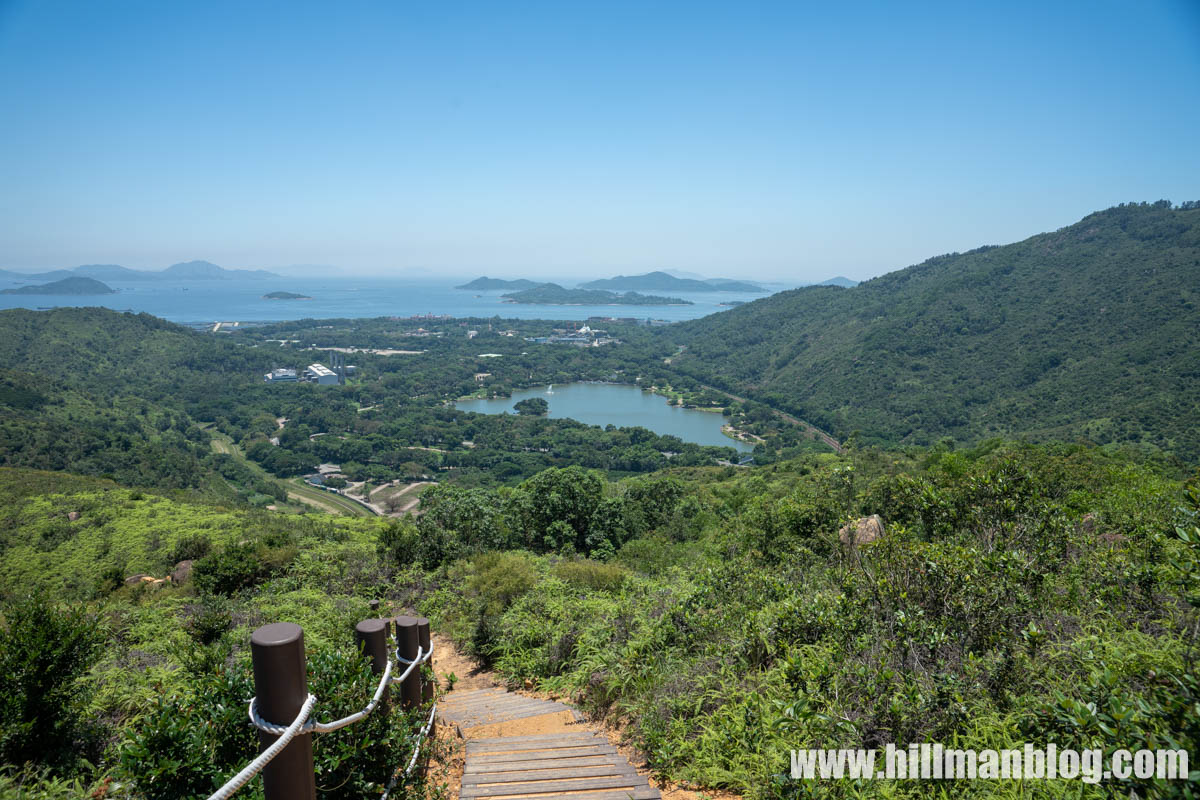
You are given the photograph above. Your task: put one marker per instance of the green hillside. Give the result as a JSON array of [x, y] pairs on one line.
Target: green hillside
[[1087, 332], [66, 286]]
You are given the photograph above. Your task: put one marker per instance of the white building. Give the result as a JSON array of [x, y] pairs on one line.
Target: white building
[[280, 376], [319, 373]]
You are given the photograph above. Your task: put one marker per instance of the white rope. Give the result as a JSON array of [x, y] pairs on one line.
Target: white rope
[[264, 758], [303, 725], [412, 762]]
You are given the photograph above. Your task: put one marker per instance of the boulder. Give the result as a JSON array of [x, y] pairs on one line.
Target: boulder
[[134, 580], [73, 515], [866, 529], [182, 571]]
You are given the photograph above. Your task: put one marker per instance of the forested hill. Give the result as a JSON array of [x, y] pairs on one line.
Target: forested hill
[[1091, 331]]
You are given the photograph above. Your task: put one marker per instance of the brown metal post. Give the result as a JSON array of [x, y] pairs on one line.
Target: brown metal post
[[407, 642], [371, 635], [423, 640], [281, 685]]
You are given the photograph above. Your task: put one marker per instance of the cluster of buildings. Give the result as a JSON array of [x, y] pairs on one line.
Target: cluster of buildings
[[313, 373], [584, 337]]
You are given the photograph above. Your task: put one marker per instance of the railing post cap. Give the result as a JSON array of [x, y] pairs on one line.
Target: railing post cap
[[277, 634], [372, 626], [406, 620]]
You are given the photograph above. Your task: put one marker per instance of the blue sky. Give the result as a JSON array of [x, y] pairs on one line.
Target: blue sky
[[789, 141]]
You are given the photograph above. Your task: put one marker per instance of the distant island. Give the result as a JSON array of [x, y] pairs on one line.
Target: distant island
[[285, 296], [553, 294], [66, 286], [662, 281], [187, 270], [486, 284]]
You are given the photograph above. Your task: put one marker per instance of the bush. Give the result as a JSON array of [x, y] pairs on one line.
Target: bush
[[593, 575], [235, 568], [44, 651], [190, 548]]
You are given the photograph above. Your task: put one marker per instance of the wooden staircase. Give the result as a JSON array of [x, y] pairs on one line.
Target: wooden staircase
[[567, 764]]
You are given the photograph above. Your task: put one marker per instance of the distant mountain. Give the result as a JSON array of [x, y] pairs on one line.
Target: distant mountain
[[55, 275], [285, 296], [553, 294], [486, 284], [207, 271], [114, 272], [661, 281], [66, 286], [190, 270], [1086, 332], [839, 281]]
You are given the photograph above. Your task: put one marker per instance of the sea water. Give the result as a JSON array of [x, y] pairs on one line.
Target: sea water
[[199, 302]]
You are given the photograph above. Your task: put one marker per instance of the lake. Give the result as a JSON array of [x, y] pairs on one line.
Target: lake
[[197, 302], [619, 405]]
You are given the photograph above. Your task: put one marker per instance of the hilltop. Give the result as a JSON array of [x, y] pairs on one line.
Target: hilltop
[[661, 281], [1085, 332], [66, 286], [490, 284]]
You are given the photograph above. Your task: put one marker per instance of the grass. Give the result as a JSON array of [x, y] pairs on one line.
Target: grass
[[334, 503]]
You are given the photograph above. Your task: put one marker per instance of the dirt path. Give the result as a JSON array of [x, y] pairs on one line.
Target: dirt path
[[471, 677]]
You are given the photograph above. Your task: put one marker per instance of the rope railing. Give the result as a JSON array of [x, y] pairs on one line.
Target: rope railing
[[302, 725]]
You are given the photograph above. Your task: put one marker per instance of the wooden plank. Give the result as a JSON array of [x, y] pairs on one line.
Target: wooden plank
[[537, 737], [542, 755], [608, 770], [636, 793], [476, 708], [509, 707], [545, 787], [479, 697], [511, 747], [546, 763], [503, 702], [474, 697], [508, 716]]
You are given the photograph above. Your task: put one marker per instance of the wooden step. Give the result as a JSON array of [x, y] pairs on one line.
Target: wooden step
[[546, 787], [546, 763], [607, 770], [588, 751]]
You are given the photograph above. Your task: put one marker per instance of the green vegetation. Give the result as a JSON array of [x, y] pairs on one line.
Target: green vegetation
[[532, 406], [66, 286], [662, 281], [1018, 594], [1084, 333], [553, 294]]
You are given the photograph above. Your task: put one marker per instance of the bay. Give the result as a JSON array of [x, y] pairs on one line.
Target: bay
[[201, 302]]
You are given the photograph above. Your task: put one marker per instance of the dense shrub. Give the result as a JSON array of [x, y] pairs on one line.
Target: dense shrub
[[44, 651]]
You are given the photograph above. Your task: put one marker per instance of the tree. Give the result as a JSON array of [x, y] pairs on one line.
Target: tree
[[533, 406]]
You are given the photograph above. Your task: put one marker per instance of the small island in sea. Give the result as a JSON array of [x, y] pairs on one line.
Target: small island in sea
[[67, 286], [553, 294], [665, 282], [285, 296]]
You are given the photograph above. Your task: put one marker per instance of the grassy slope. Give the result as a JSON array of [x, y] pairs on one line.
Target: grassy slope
[[1090, 331]]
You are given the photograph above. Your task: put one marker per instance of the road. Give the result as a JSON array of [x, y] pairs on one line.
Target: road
[[820, 434]]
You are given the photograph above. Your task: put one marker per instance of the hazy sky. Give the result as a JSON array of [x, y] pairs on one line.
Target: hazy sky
[[790, 141]]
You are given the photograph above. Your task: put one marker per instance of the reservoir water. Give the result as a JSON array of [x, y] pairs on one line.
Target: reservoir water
[[619, 405]]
